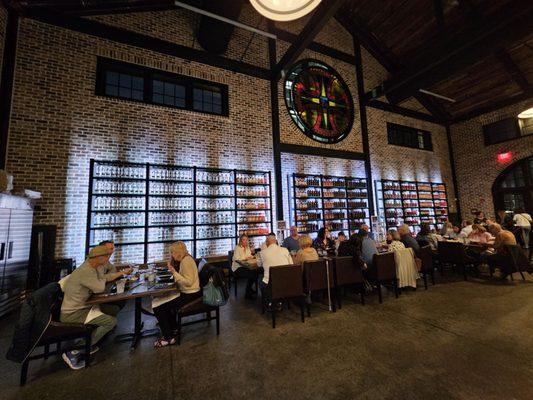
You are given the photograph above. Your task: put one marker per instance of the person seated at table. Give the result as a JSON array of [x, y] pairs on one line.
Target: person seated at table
[[306, 252], [466, 230], [368, 247], [480, 235], [500, 258], [243, 252], [108, 272], [394, 240], [264, 244], [425, 238], [366, 228], [480, 218], [341, 237], [505, 220], [272, 256], [183, 267], [79, 287], [291, 242], [323, 242], [407, 239]]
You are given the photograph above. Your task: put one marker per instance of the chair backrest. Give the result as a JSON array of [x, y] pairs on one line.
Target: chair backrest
[[230, 258], [347, 271], [517, 257], [426, 255], [384, 266], [286, 281], [316, 275], [451, 252]]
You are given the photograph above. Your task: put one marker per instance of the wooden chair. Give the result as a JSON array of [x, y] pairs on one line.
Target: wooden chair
[[383, 272], [426, 255], [285, 284], [319, 277], [197, 307], [56, 333], [348, 273], [517, 261], [454, 254]]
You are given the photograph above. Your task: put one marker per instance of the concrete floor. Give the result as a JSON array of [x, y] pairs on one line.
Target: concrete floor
[[458, 340]]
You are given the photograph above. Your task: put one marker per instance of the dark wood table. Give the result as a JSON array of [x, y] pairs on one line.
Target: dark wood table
[[250, 264], [137, 291]]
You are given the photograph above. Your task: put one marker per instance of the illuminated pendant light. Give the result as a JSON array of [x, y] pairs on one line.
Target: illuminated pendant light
[[284, 10], [526, 114]]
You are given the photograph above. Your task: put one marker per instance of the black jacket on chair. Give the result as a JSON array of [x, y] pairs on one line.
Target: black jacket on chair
[[35, 316]]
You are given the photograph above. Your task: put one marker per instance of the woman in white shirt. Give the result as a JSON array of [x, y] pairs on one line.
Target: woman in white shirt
[[393, 240], [523, 221], [243, 252], [183, 267]]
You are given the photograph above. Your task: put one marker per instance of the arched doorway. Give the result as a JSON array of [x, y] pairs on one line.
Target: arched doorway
[[514, 187]]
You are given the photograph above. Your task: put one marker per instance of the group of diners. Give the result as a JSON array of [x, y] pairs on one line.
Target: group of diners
[[95, 276], [97, 273]]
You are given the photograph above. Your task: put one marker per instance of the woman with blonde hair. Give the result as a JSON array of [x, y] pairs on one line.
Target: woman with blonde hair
[[394, 240], [479, 234], [185, 272], [242, 252], [306, 252]]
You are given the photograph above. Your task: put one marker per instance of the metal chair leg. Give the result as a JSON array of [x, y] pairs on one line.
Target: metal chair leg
[[179, 329], [302, 313], [24, 372], [217, 316], [88, 343], [425, 280]]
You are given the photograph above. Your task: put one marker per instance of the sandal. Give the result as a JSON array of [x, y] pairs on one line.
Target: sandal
[[164, 343]]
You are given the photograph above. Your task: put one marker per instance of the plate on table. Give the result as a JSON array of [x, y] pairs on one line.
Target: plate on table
[[164, 279]]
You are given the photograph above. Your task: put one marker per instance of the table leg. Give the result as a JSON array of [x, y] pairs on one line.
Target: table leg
[[138, 332]]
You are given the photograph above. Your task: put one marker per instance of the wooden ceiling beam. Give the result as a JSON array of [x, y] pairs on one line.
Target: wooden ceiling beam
[[448, 56], [514, 72], [439, 15], [493, 107], [325, 10], [385, 57]]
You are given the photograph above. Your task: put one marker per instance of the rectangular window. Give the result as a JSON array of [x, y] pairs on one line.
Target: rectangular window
[[168, 93], [138, 83], [406, 136], [501, 131], [124, 85], [207, 99]]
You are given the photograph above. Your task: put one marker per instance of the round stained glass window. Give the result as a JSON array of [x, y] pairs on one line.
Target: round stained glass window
[[319, 101]]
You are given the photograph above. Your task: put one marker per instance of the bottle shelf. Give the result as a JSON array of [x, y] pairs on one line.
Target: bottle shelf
[[158, 181], [417, 198], [332, 189]]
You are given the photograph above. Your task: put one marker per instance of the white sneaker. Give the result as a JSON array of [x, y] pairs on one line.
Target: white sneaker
[[73, 359]]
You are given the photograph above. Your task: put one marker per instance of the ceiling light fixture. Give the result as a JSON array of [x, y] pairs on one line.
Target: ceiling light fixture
[[284, 10], [526, 113]]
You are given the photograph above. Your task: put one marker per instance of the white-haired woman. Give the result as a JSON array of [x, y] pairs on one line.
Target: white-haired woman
[[183, 267]]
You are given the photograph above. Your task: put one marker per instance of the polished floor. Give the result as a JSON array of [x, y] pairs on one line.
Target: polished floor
[[457, 340]]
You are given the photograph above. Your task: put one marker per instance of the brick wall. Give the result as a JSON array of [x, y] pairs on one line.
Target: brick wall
[[3, 20], [58, 124], [476, 165]]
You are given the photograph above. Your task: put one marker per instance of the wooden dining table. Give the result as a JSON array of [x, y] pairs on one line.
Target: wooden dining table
[[137, 291]]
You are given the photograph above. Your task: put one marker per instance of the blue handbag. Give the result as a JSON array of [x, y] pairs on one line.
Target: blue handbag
[[212, 295]]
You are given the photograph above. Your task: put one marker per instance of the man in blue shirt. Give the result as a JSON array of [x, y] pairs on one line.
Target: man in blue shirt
[[368, 247], [291, 242]]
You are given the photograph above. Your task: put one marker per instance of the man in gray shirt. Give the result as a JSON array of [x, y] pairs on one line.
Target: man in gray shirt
[[79, 287], [291, 242]]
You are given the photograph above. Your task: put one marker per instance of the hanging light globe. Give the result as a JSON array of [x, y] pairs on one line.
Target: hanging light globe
[[526, 114], [284, 10]]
